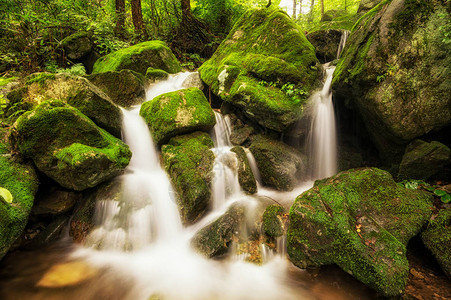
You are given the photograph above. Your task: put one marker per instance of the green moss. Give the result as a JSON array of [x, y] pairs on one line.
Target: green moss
[[189, 163], [68, 147], [361, 220], [437, 238], [273, 223], [265, 45], [156, 74], [21, 181], [138, 58], [177, 113], [73, 37], [4, 81]]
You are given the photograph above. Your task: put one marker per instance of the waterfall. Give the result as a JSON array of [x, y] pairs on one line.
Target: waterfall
[[322, 138], [341, 46]]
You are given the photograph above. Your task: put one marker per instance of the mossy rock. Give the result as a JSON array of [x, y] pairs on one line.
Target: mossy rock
[[281, 166], [68, 147], [77, 45], [273, 221], [437, 238], [326, 43], [18, 185], [264, 46], [189, 162], [240, 224], [360, 220], [124, 87], [73, 90], [139, 57], [422, 160], [245, 176], [177, 113], [366, 5], [395, 70], [156, 74]]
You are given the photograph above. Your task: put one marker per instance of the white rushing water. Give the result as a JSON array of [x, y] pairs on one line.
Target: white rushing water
[[322, 139], [140, 235]]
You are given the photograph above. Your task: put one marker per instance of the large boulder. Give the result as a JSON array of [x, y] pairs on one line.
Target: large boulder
[[124, 87], [176, 113], [79, 48], [139, 57], [74, 90], [366, 5], [265, 67], [395, 70], [18, 185], [360, 220], [422, 160], [68, 147], [280, 165], [189, 162], [437, 238], [326, 43]]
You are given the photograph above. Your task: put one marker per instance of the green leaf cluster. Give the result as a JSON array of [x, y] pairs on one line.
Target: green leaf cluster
[[444, 196]]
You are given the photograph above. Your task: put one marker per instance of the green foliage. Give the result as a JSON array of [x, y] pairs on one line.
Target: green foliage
[[296, 94], [421, 185]]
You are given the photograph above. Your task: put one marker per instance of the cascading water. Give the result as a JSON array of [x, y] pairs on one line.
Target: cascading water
[[322, 139]]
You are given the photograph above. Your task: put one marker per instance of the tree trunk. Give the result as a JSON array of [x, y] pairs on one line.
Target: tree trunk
[[186, 10], [120, 17], [322, 9], [294, 9], [137, 17], [300, 7], [311, 10]]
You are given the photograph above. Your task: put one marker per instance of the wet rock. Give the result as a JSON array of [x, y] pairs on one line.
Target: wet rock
[[68, 147], [139, 57], [19, 184], [125, 88], [366, 5], [274, 221], [177, 113], [423, 160], [280, 165], [245, 176], [360, 220], [394, 71], [193, 80], [83, 220], [189, 162], [241, 135], [77, 45], [52, 232], [239, 225], [73, 90], [326, 43], [253, 63], [56, 202], [437, 238]]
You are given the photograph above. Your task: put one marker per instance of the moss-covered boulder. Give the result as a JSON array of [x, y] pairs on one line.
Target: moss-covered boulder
[[274, 221], [264, 51], [18, 185], [366, 5], [176, 113], [245, 176], [189, 162], [360, 220], [280, 165], [216, 238], [326, 43], [139, 57], [422, 160], [395, 70], [74, 90], [68, 147], [239, 226], [124, 87], [437, 238], [77, 45]]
